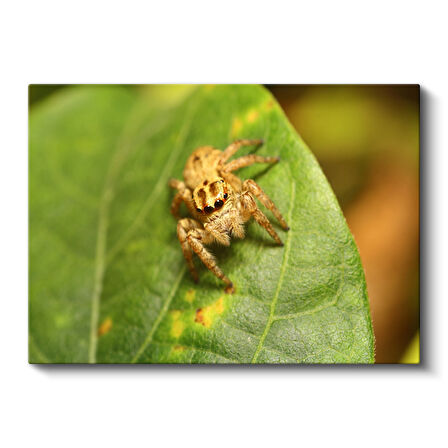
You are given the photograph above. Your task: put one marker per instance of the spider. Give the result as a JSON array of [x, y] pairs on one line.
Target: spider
[[220, 203]]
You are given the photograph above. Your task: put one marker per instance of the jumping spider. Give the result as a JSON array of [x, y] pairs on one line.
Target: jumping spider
[[219, 202]]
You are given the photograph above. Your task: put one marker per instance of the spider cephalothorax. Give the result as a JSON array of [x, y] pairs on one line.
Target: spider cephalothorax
[[211, 195], [219, 202]]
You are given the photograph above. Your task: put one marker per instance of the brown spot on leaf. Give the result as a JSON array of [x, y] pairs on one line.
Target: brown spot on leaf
[[270, 104], [205, 316], [178, 348], [199, 319], [105, 327]]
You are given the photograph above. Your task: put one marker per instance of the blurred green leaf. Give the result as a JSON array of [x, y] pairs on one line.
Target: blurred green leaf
[[108, 282]]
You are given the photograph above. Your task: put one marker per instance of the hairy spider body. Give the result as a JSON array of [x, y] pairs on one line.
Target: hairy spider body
[[219, 202]]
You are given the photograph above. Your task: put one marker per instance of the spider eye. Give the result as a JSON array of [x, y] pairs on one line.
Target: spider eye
[[219, 203], [225, 195], [198, 210], [208, 209]]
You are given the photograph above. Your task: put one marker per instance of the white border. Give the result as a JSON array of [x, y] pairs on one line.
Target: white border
[[198, 41]]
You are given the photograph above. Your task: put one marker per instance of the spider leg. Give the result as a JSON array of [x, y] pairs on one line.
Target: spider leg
[[251, 210], [183, 195], [255, 189], [196, 239], [231, 179], [175, 205], [248, 160], [183, 227], [234, 181], [177, 184], [235, 146]]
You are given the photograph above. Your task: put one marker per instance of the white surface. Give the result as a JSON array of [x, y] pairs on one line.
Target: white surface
[[235, 41]]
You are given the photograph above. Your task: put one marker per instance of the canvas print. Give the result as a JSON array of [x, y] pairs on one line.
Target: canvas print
[[230, 224]]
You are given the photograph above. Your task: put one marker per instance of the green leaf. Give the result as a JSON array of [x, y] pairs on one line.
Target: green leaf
[[108, 282]]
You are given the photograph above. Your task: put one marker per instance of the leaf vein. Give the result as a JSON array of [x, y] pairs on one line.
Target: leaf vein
[[197, 349], [270, 349], [162, 181], [280, 279], [248, 333], [160, 316]]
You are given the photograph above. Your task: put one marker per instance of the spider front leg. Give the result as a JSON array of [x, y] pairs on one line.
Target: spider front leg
[[248, 160], [197, 238], [250, 209], [226, 169], [235, 146], [184, 226], [183, 195], [255, 189]]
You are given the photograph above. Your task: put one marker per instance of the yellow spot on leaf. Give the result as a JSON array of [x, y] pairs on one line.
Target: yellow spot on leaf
[[237, 125], [61, 320], [205, 316], [177, 326], [252, 115], [209, 87], [189, 296], [105, 327]]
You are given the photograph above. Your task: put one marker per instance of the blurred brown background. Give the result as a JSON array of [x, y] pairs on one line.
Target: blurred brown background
[[366, 139]]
